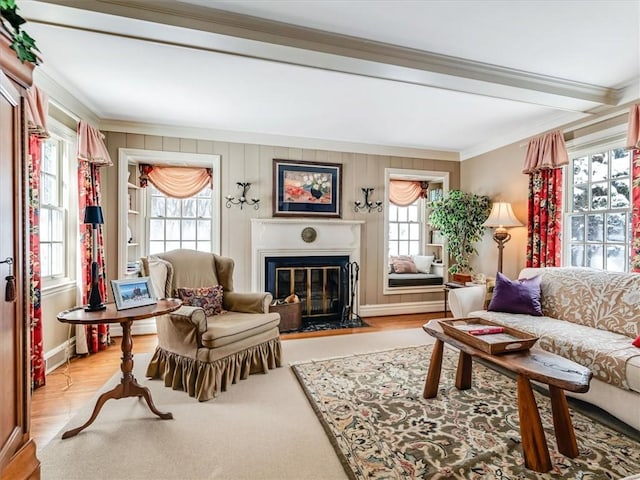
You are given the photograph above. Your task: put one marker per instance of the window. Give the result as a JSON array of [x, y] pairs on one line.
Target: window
[[405, 227], [598, 220], [180, 223], [54, 204]]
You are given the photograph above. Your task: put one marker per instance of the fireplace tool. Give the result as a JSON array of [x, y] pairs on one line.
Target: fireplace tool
[[352, 273]]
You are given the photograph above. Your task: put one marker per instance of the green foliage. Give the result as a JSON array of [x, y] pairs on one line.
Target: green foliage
[[21, 42], [459, 216]]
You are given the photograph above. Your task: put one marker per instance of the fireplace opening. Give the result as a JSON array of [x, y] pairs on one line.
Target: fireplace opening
[[320, 282]]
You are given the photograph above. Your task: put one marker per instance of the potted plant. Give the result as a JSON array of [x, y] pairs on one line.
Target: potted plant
[[459, 216]]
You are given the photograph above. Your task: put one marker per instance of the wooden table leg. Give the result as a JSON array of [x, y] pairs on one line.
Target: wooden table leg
[[128, 387], [534, 443], [433, 377], [463, 374], [565, 435]]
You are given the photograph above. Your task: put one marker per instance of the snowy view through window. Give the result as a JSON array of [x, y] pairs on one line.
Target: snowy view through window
[[599, 205]]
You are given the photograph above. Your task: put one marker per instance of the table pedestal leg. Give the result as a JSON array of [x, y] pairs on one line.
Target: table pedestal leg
[[433, 377], [534, 443], [128, 387], [565, 436]]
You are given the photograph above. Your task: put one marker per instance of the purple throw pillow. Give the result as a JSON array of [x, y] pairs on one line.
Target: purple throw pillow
[[517, 296]]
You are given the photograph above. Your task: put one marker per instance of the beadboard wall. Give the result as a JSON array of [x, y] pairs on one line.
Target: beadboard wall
[[254, 163]]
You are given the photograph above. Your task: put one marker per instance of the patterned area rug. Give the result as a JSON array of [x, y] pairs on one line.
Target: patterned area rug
[[372, 409]]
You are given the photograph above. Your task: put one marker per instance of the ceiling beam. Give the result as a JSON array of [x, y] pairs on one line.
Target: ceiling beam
[[235, 34]]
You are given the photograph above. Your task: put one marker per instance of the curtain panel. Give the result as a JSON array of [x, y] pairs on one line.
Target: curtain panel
[[92, 154], [405, 192], [545, 157], [37, 109], [176, 182], [633, 143], [36, 349]]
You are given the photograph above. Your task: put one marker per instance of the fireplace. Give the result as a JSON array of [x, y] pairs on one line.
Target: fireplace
[[320, 283], [320, 259]]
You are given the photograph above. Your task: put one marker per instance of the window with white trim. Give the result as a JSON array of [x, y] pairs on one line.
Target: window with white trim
[[405, 228], [598, 208], [179, 223], [55, 223]]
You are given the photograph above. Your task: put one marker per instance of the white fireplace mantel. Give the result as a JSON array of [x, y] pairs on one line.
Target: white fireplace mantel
[[282, 237]]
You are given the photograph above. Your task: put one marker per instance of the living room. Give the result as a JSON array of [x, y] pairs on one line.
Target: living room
[[590, 106]]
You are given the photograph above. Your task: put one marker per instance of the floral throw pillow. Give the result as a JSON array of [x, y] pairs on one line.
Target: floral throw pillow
[[208, 298]]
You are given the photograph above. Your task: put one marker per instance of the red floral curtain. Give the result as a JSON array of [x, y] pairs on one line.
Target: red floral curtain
[[176, 182], [545, 157], [35, 310], [91, 338], [633, 142], [36, 114]]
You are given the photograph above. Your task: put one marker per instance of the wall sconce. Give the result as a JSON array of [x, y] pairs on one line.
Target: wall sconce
[[501, 216], [242, 200], [368, 204]]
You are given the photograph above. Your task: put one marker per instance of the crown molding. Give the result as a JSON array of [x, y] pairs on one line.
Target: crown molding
[[64, 100], [249, 36], [274, 140]]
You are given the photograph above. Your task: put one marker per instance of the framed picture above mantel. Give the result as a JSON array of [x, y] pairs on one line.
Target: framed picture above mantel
[[306, 189]]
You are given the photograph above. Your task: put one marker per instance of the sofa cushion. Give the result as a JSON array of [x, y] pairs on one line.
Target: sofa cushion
[[207, 298], [234, 326], [597, 298], [609, 355], [517, 296]]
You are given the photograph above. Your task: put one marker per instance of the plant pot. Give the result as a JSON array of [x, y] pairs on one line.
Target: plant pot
[[462, 277]]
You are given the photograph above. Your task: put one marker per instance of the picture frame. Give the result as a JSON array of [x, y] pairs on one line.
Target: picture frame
[[133, 292], [307, 189]]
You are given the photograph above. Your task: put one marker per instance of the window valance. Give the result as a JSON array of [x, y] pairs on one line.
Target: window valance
[[91, 147], [176, 182], [633, 132], [405, 192], [36, 112], [546, 152]]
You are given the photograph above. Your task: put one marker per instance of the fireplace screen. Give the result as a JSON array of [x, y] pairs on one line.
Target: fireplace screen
[[319, 282]]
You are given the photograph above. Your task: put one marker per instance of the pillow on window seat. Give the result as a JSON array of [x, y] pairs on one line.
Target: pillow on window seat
[[423, 262], [404, 265]]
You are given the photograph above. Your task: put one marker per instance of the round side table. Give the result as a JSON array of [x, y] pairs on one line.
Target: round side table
[[128, 387]]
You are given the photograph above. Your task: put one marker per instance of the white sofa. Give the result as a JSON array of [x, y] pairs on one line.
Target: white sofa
[[591, 317]]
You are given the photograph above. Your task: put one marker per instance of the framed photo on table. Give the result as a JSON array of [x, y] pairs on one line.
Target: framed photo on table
[[133, 292], [306, 189]]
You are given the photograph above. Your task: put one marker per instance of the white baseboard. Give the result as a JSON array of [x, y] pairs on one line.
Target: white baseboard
[[400, 308], [139, 327], [58, 355]]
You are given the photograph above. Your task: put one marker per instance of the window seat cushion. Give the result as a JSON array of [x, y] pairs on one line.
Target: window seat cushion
[[413, 279]]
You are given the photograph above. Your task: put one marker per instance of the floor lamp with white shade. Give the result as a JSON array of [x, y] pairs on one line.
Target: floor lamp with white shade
[[501, 217]]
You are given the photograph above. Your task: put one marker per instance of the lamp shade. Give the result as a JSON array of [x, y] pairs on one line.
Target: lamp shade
[[502, 216], [93, 215]]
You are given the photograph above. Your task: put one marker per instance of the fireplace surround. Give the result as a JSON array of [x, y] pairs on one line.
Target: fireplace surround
[[320, 243]]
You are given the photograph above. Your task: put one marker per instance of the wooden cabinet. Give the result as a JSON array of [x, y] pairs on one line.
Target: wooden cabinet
[[17, 450]]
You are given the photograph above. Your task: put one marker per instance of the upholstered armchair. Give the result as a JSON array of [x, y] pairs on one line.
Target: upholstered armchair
[[202, 354]]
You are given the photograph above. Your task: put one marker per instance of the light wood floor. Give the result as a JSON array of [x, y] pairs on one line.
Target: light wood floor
[[70, 388]]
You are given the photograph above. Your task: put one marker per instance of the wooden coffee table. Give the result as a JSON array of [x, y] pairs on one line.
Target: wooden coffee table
[[557, 372]]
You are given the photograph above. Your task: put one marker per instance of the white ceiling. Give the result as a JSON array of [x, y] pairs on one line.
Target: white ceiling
[[444, 76]]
